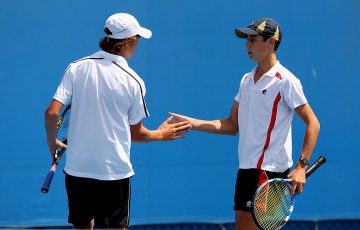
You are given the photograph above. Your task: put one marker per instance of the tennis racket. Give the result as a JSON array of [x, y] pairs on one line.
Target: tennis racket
[[273, 203], [61, 134]]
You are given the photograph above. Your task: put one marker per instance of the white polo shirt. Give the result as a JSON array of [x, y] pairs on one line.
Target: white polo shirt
[[265, 113], [107, 97]]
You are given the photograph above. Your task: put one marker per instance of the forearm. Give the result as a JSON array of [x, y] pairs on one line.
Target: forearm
[[312, 129], [167, 131], [215, 126], [298, 173], [310, 138], [146, 135], [50, 125]]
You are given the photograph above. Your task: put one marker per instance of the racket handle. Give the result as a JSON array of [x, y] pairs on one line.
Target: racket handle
[[48, 179], [315, 165]]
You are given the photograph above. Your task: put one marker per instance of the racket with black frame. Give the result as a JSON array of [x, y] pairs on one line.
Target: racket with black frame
[[61, 134], [273, 203]]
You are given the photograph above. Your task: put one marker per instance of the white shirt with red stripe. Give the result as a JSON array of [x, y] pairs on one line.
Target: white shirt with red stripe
[[265, 113]]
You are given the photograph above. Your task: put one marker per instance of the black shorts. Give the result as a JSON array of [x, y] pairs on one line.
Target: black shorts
[[108, 202], [247, 181]]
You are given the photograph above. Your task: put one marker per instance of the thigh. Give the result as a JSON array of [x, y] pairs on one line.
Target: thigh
[[244, 220], [80, 203], [246, 185], [113, 204]]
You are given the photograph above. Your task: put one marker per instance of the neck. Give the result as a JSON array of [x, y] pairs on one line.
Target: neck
[[119, 53], [266, 64]]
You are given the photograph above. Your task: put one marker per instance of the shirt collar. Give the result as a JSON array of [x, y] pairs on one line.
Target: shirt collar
[[112, 57], [270, 73]]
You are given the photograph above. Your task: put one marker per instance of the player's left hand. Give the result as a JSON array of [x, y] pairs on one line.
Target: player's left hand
[[298, 178]]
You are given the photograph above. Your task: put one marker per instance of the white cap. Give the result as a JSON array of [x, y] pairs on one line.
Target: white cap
[[122, 25]]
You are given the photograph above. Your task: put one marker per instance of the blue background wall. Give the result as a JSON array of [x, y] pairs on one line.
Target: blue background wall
[[191, 65]]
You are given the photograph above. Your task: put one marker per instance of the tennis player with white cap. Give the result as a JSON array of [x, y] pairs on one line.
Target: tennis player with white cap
[[122, 25], [108, 105]]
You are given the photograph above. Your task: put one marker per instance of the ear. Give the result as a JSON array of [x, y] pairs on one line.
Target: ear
[[272, 42], [119, 46]]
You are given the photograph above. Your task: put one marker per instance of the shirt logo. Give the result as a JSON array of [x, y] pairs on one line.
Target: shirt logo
[[264, 92]]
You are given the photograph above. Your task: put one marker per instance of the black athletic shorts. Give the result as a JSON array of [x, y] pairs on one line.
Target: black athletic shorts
[[247, 181], [108, 202]]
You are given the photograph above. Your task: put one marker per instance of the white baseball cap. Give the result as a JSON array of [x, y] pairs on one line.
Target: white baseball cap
[[122, 25]]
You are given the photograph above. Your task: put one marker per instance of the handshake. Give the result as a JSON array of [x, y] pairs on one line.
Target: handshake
[[174, 127]]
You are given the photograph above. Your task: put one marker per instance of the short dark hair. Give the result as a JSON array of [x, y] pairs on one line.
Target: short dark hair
[[109, 44], [277, 43]]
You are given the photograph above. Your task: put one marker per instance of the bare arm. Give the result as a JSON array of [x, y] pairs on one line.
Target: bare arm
[[51, 116], [225, 126], [167, 131], [311, 133]]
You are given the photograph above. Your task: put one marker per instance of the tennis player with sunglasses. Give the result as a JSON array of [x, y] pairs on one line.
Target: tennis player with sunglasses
[[262, 114], [108, 105]]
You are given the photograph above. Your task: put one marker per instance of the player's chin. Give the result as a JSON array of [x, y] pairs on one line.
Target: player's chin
[[252, 57]]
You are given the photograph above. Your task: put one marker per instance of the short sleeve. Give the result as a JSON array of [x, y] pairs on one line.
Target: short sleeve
[[242, 82], [237, 97], [293, 93], [63, 93], [138, 109]]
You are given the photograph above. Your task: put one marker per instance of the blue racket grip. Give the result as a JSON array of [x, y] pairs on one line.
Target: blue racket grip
[[49, 177]]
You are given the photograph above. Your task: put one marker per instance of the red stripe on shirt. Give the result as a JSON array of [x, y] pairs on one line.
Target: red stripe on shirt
[[271, 126], [278, 75], [262, 177]]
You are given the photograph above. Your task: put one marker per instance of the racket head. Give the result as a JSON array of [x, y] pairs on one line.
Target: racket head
[[63, 124], [61, 132], [273, 204]]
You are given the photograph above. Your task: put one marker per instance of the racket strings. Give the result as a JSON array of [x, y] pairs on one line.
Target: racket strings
[[63, 125], [273, 205]]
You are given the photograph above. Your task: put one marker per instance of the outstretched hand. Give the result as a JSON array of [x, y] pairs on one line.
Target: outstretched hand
[[179, 117], [172, 129]]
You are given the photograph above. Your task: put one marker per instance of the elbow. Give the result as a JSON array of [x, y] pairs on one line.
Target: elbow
[[318, 126], [234, 131], [314, 126], [135, 137], [229, 127], [50, 113]]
